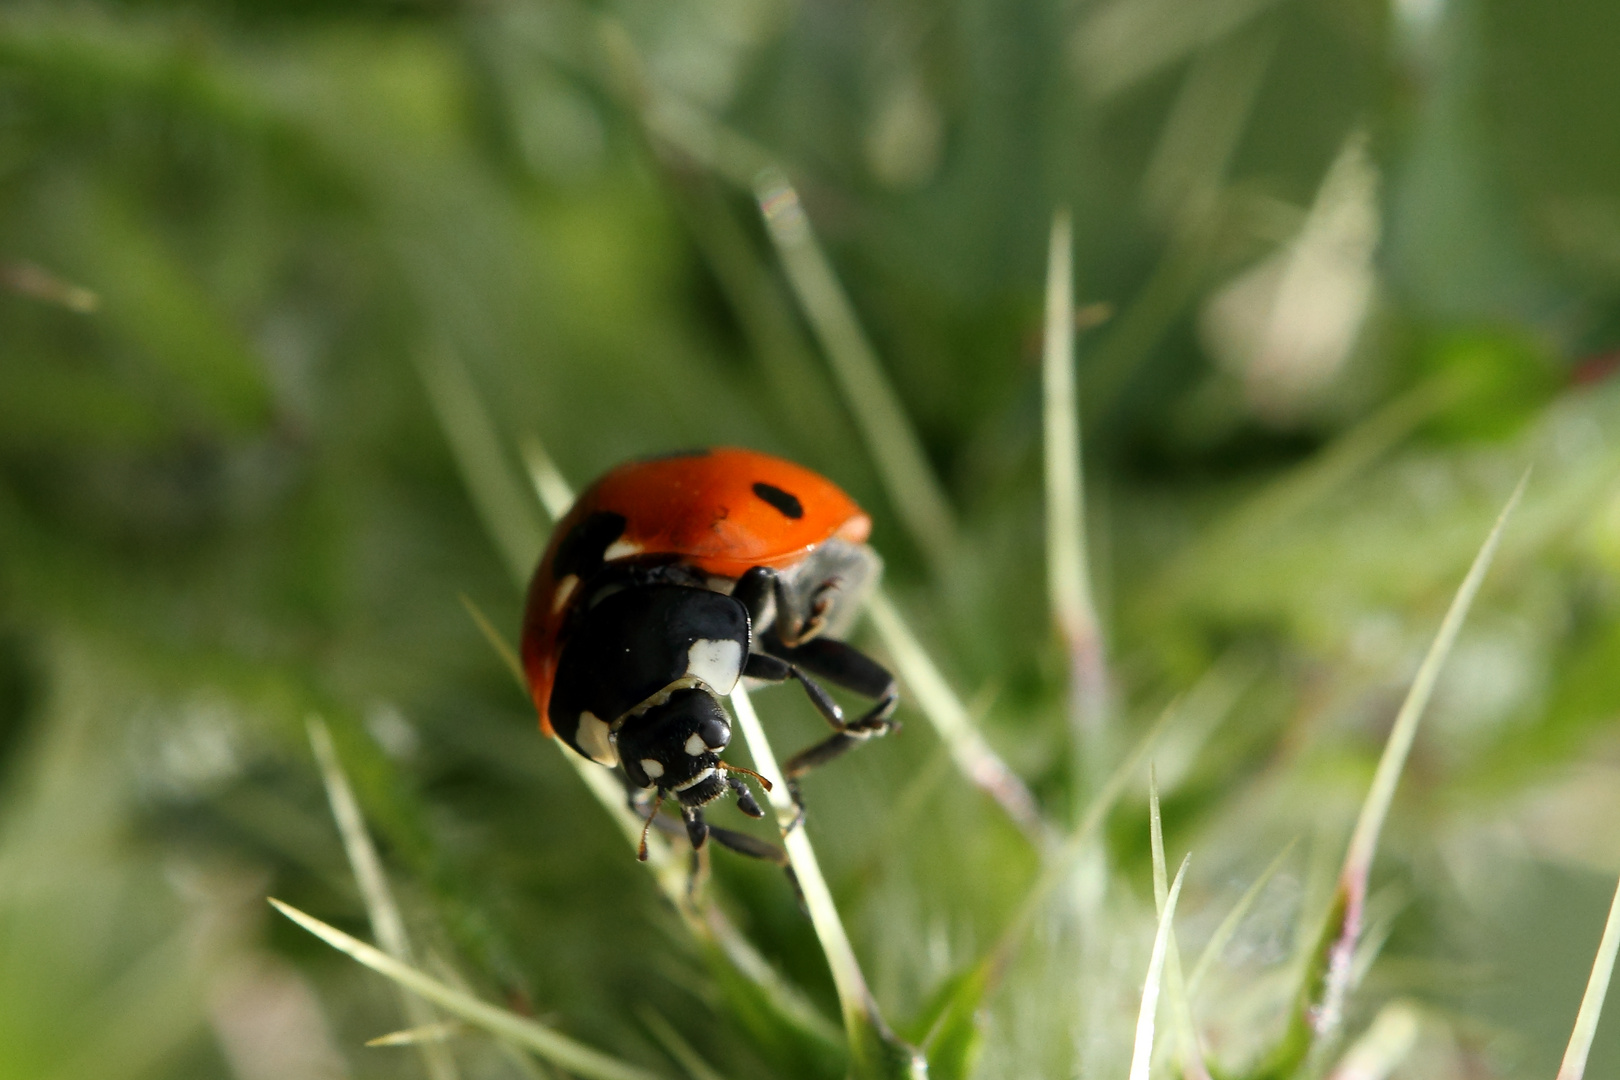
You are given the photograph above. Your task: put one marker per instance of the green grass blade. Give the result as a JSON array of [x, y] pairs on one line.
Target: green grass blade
[[556, 1048], [1229, 926], [1382, 1048], [973, 756], [1142, 1052], [1597, 987], [676, 1046], [506, 511], [1375, 809], [1068, 568], [874, 1048], [503, 648], [884, 426], [1193, 1066], [386, 922]]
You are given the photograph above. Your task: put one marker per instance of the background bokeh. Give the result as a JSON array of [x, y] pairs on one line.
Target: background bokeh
[[1345, 270]]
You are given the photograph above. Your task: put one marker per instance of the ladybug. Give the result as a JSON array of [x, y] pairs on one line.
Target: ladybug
[[672, 579]]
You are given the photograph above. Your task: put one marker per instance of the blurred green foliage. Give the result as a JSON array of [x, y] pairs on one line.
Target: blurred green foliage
[[1359, 260]]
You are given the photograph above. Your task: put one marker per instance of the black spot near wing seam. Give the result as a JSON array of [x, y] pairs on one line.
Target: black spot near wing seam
[[785, 502]]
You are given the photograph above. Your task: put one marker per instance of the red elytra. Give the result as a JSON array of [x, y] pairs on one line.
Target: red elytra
[[721, 511]]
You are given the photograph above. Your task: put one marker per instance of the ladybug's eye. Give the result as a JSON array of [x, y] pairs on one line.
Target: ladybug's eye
[[716, 734]]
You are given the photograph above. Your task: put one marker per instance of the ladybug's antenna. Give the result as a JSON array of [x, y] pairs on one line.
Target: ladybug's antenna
[[764, 783], [641, 852]]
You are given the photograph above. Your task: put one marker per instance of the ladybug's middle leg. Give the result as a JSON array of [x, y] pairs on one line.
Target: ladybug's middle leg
[[843, 665]]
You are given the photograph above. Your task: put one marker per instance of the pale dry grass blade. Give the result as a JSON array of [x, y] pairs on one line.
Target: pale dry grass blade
[[875, 1049], [554, 492], [559, 1049], [1597, 987], [381, 909], [974, 757], [1142, 1052], [437, 1032], [1068, 569], [708, 923], [1375, 809], [888, 432]]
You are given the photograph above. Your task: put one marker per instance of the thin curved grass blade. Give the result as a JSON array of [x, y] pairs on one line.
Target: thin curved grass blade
[[1068, 562], [890, 436], [1382, 1048], [1193, 1067], [383, 912], [1336, 962], [1597, 987], [559, 1049], [1227, 930], [974, 757], [1142, 1051], [876, 1051]]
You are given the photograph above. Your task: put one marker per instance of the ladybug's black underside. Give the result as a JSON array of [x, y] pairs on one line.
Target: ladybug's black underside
[[650, 647]]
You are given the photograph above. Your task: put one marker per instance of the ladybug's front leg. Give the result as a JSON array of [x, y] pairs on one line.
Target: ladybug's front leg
[[843, 665]]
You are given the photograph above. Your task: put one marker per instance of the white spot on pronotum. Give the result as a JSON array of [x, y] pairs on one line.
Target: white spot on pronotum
[[593, 738], [652, 768], [565, 588], [717, 662], [621, 549], [698, 779], [695, 745]]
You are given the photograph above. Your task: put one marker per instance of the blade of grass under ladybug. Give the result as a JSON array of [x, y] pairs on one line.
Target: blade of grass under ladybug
[[1227, 930], [1193, 1066], [973, 756], [710, 925], [1068, 568], [875, 1050], [498, 496], [1142, 1051], [1383, 1046], [552, 1046], [1597, 987], [386, 922], [1327, 1012], [887, 430], [676, 1046]]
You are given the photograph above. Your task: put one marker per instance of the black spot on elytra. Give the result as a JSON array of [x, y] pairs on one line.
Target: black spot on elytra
[[781, 500], [580, 552]]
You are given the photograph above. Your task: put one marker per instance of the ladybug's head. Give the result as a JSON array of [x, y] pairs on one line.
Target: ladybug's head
[[675, 746]]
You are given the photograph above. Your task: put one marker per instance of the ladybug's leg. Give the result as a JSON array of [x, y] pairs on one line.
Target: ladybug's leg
[[842, 665], [755, 848]]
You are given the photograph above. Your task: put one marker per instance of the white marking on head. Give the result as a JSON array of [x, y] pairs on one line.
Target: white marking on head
[[698, 779], [565, 588], [594, 738], [695, 745], [652, 768], [621, 549], [717, 662]]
